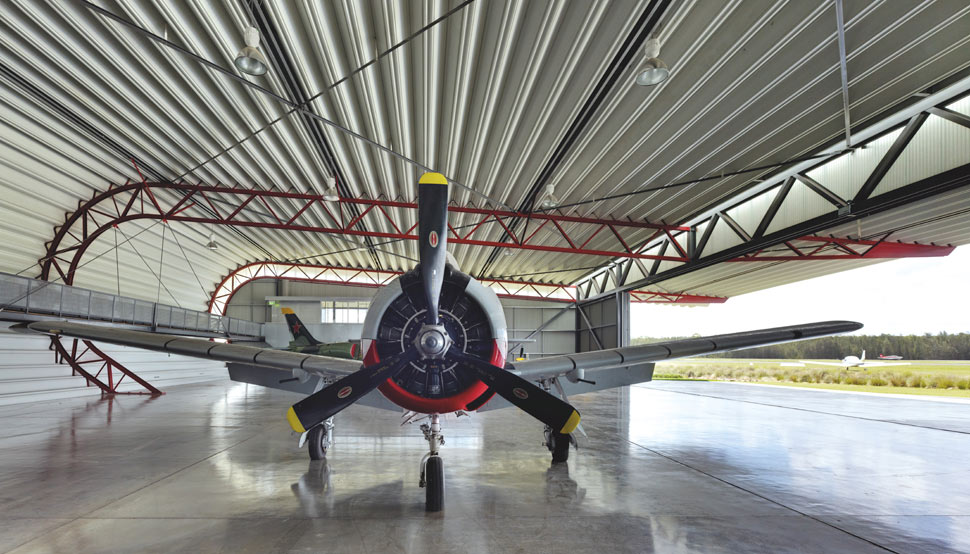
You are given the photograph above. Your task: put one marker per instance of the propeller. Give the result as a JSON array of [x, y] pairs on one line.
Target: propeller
[[552, 411], [316, 408], [433, 238], [432, 341]]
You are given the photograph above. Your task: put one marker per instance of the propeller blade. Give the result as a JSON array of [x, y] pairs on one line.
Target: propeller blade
[[536, 402], [314, 409], [433, 237]]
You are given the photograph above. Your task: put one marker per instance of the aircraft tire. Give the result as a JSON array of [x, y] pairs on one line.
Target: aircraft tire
[[315, 443], [434, 474], [560, 447]]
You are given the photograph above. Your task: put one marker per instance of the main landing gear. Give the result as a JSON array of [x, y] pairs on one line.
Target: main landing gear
[[320, 439], [432, 468], [558, 444]]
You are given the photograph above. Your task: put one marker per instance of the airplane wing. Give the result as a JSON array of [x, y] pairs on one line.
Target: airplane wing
[[198, 348], [543, 368], [591, 362], [833, 364]]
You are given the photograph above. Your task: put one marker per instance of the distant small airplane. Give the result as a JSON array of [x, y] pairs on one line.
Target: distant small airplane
[[853, 361], [305, 343], [890, 357]]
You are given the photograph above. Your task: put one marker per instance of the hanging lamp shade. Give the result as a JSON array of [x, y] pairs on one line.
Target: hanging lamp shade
[[250, 59], [653, 70]]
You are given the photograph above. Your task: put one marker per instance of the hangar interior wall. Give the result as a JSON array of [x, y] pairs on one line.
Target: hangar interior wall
[[28, 372], [603, 323], [522, 316]]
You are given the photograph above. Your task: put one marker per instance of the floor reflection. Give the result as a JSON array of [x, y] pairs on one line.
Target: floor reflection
[[315, 489], [560, 488]]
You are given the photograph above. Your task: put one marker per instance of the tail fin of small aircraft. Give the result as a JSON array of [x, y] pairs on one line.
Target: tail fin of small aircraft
[[301, 336], [863, 358]]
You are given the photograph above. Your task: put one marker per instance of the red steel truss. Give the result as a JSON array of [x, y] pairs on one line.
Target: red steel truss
[[655, 297], [831, 248], [106, 366], [373, 278], [138, 200]]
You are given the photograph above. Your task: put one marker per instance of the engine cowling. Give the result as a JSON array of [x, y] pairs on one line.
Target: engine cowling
[[475, 322]]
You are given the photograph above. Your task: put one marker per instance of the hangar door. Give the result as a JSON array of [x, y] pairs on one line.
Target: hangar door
[[603, 323]]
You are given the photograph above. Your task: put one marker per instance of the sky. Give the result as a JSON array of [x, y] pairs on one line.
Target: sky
[[899, 297]]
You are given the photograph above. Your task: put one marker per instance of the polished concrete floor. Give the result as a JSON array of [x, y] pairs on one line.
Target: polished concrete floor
[[667, 467]]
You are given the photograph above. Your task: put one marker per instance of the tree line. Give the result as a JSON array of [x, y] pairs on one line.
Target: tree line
[[944, 346]]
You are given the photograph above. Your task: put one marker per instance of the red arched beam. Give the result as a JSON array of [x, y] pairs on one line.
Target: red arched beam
[[372, 278], [140, 200], [133, 201]]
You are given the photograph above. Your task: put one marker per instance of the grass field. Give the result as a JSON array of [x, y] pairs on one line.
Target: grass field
[[956, 393], [922, 377]]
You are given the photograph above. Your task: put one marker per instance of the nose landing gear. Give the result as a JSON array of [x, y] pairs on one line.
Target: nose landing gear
[[432, 467]]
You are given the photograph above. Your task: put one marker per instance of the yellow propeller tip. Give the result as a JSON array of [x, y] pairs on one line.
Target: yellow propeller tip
[[294, 421], [571, 423], [433, 179]]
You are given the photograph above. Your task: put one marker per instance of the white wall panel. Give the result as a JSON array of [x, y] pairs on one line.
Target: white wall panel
[[801, 204], [749, 214], [28, 372], [846, 174], [722, 238], [962, 105], [939, 145]]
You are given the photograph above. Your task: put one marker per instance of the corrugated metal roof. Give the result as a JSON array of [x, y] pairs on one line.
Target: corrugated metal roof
[[485, 97]]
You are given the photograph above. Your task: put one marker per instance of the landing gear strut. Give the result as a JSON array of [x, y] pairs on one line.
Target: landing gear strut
[[432, 468], [319, 439], [558, 444]]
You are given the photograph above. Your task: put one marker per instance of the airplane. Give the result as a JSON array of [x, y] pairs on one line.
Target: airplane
[[890, 357], [853, 361], [435, 342], [306, 343]]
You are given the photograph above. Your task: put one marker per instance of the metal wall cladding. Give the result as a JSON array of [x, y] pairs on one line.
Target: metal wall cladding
[[939, 145], [28, 372], [722, 238], [846, 174]]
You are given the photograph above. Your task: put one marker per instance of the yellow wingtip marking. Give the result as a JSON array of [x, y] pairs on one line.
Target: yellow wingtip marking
[[287, 311], [433, 179], [294, 421], [571, 423]]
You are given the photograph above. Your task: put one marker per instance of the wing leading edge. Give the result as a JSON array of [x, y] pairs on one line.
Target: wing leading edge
[[631, 355], [174, 344]]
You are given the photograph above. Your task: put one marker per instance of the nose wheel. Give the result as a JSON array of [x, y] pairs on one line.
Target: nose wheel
[[432, 467]]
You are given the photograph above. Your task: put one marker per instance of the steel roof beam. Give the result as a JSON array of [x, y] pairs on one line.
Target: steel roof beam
[[825, 193], [926, 188], [773, 208], [890, 157], [952, 116]]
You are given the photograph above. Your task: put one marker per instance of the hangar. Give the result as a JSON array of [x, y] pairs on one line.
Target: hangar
[[180, 171]]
